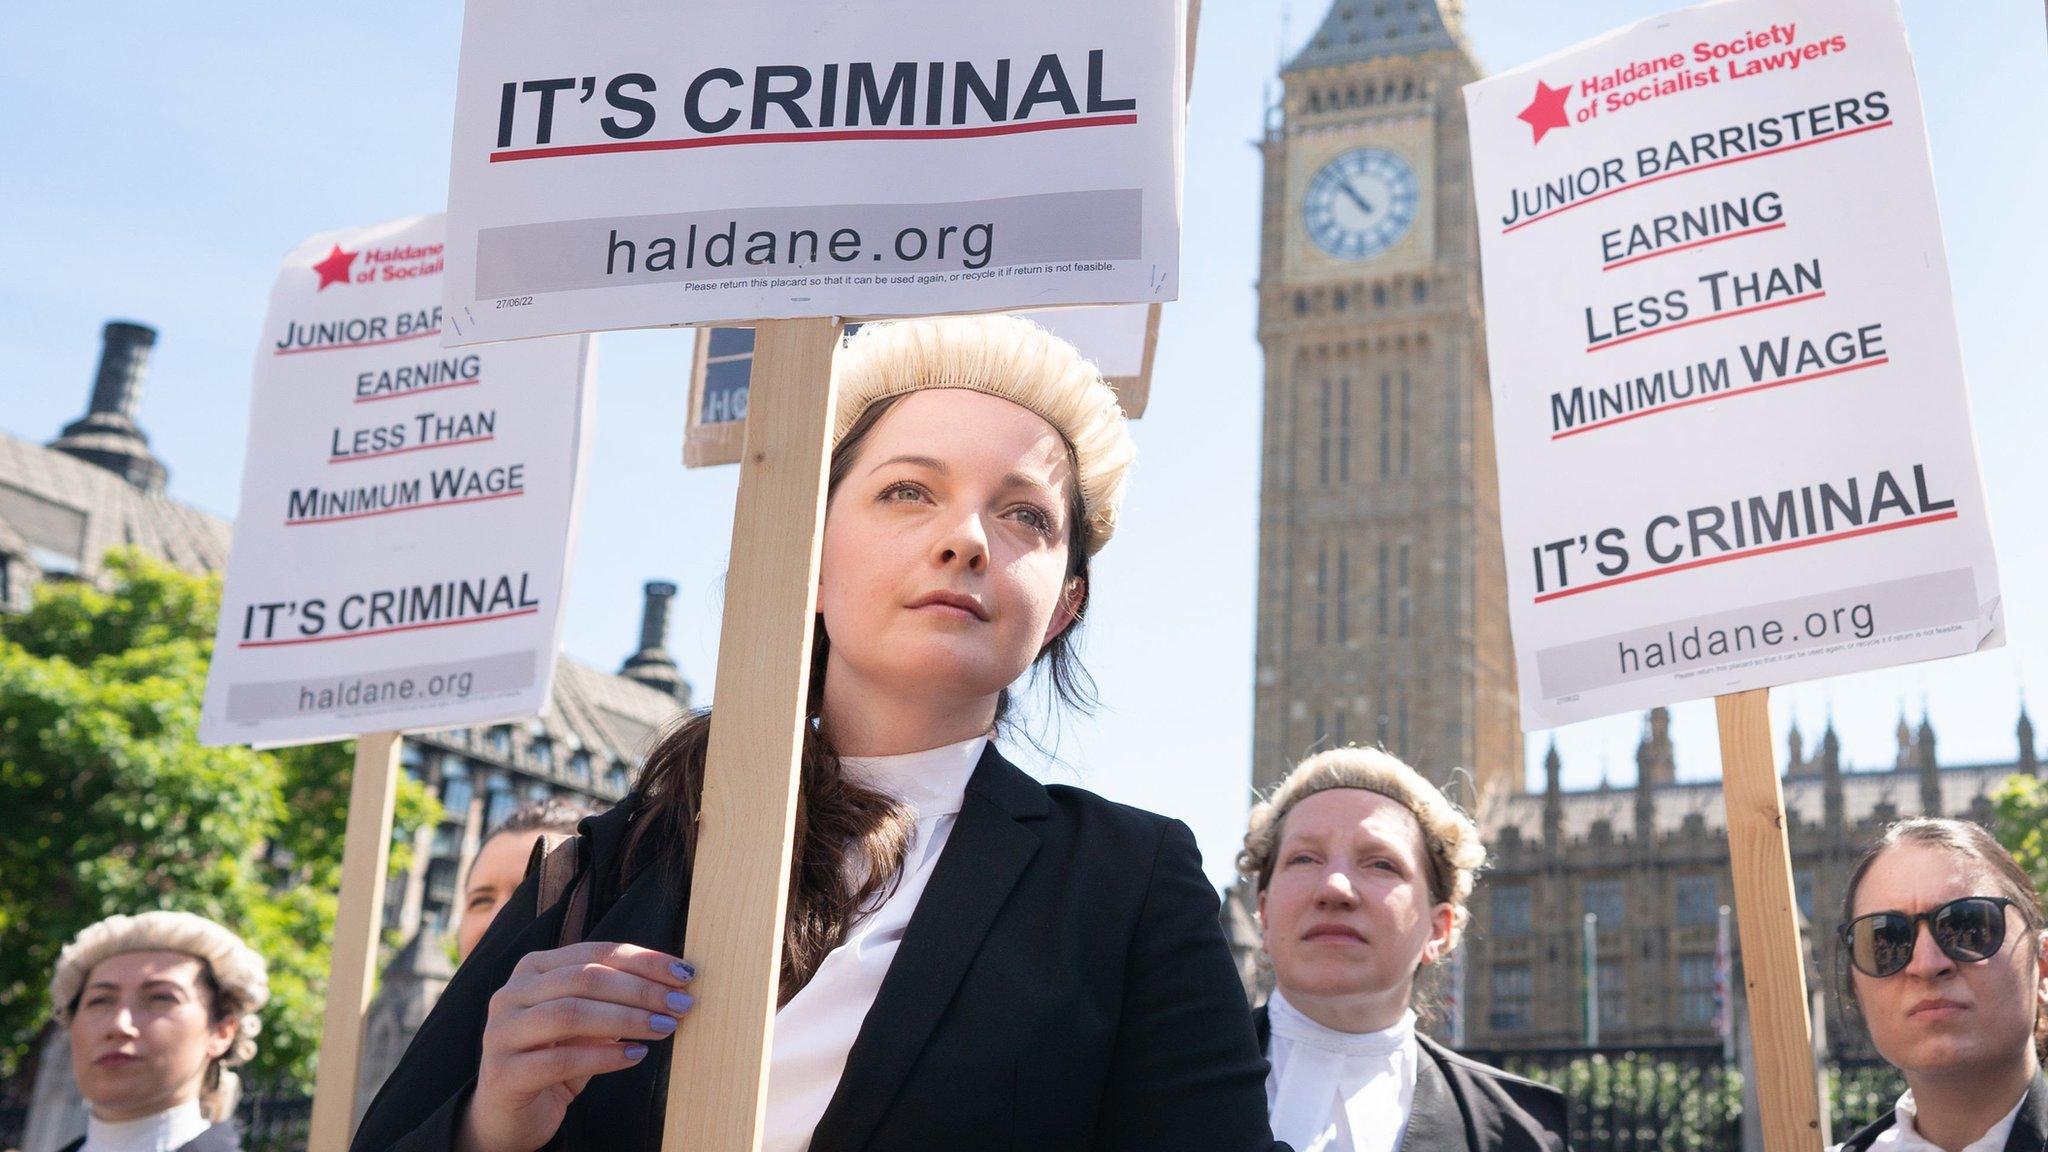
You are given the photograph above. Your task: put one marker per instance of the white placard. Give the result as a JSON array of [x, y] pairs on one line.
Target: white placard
[[645, 163], [1734, 441], [408, 511], [1119, 338]]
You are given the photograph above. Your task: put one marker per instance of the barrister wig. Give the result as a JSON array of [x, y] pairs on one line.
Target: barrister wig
[[1009, 358], [235, 972], [1453, 854]]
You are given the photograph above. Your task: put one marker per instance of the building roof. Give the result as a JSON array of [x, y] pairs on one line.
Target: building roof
[[66, 513], [1355, 30], [1805, 801]]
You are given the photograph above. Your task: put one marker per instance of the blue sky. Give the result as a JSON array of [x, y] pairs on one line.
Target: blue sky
[[157, 166]]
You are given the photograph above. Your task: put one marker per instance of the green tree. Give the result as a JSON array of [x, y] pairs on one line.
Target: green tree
[[116, 807], [2022, 804]]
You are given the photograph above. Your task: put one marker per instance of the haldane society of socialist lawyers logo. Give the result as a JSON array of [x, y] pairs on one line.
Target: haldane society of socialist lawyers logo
[[1544, 112], [1755, 52], [379, 265]]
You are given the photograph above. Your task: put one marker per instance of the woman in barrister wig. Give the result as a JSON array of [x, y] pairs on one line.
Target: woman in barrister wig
[[1942, 952], [1362, 868], [160, 1007], [971, 959]]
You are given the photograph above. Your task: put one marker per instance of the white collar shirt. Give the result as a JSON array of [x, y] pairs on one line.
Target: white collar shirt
[[1332, 1091], [1904, 1134], [165, 1131], [817, 1028]]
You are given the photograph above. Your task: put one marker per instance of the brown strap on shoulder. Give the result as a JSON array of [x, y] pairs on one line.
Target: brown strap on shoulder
[[558, 857]]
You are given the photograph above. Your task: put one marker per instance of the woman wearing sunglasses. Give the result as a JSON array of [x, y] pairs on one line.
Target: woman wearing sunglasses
[[1944, 955]]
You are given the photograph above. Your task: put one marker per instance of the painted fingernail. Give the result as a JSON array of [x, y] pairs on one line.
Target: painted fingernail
[[684, 970], [679, 1002], [662, 1024], [635, 1051]]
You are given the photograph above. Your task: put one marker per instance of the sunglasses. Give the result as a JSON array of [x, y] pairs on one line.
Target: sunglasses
[[1966, 930]]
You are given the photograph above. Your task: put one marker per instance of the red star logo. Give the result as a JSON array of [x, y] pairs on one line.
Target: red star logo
[[1546, 111], [334, 269]]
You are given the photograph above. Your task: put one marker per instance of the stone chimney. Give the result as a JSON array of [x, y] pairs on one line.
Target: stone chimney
[[652, 665], [1655, 763], [2030, 760], [107, 434]]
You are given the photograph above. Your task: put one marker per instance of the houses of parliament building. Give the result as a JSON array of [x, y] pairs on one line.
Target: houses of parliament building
[[1382, 610]]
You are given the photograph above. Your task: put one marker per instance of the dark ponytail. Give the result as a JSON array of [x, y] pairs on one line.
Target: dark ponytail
[[850, 840]]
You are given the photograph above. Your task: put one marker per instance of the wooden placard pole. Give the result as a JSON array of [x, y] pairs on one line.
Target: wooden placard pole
[[1773, 964], [718, 1081], [358, 919]]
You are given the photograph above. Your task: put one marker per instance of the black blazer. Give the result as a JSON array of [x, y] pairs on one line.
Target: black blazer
[[2029, 1126], [1464, 1106], [1063, 984], [222, 1137]]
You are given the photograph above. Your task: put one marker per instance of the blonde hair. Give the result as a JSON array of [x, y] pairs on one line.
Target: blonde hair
[[235, 972], [1009, 358], [1452, 853]]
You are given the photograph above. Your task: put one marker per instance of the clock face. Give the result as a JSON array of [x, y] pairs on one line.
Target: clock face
[[1360, 204]]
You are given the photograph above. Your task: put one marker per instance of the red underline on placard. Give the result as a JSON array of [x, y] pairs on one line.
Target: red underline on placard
[[403, 451], [1752, 390], [1705, 320], [357, 344], [385, 631], [1701, 168], [419, 391], [1744, 555], [1694, 244], [815, 137], [404, 508]]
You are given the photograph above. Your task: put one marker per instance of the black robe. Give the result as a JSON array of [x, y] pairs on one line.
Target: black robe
[[1063, 984], [2029, 1125], [1464, 1106], [222, 1137]]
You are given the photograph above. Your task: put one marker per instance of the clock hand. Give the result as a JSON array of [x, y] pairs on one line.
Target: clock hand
[[1348, 190]]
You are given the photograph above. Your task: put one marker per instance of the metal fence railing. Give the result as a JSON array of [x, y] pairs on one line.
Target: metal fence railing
[[1680, 1098]]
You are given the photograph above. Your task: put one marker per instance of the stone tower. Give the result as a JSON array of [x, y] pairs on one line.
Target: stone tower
[[1382, 602]]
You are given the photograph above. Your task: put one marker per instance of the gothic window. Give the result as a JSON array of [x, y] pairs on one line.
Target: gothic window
[[1613, 995], [1402, 573], [1339, 299], [1344, 431], [499, 740], [1381, 590], [543, 752], [615, 779], [1343, 596], [413, 759], [1605, 899], [1696, 990], [1421, 291], [1379, 295], [1315, 102], [1407, 387], [501, 803], [456, 789], [537, 793], [1301, 303], [579, 769], [1698, 899], [1513, 990], [1322, 584], [440, 881], [1323, 431], [1386, 426], [1511, 905]]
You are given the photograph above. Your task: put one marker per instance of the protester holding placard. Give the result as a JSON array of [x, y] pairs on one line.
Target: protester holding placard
[[501, 862], [970, 959], [1943, 952], [1362, 869], [160, 1007]]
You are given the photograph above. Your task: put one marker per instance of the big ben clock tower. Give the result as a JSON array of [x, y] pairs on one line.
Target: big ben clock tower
[[1382, 603]]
